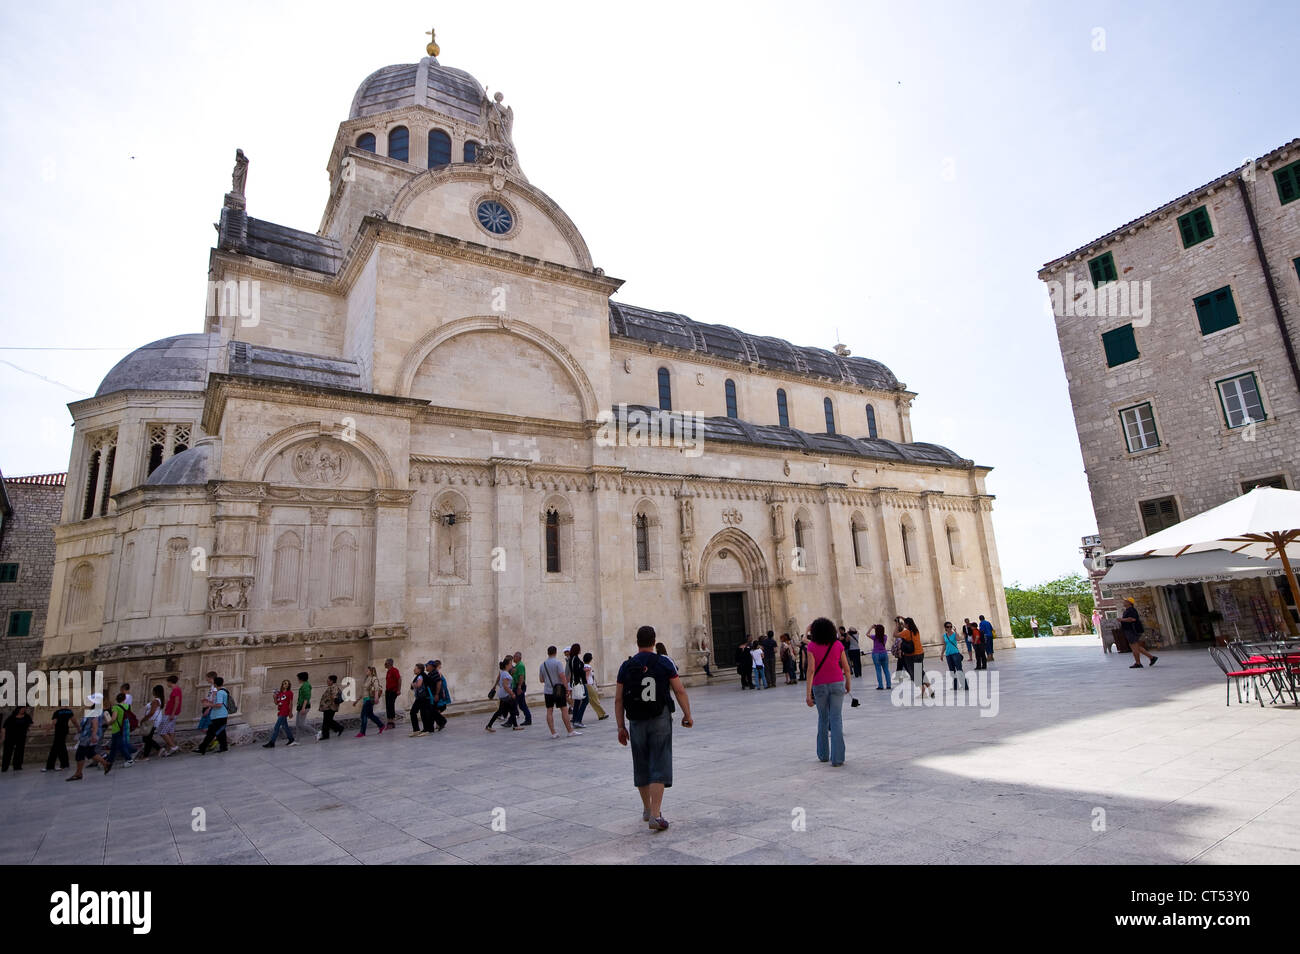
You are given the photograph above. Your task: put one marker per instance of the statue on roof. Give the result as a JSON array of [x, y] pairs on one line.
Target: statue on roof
[[240, 176], [501, 121]]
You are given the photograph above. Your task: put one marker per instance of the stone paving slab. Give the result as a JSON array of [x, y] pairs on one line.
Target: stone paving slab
[[1085, 762]]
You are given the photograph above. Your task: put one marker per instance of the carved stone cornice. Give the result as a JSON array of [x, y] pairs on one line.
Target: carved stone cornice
[[392, 498], [152, 649], [240, 491]]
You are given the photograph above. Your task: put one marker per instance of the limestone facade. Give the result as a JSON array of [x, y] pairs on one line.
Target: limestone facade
[[1194, 451], [403, 451]]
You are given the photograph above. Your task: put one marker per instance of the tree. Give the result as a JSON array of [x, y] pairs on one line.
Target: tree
[[1049, 602]]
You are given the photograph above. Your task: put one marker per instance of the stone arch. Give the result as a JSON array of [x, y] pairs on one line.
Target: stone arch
[[646, 538], [416, 356], [756, 588], [462, 172], [267, 451]]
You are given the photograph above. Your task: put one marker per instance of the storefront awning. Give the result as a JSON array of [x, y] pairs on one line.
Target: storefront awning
[[1215, 566]]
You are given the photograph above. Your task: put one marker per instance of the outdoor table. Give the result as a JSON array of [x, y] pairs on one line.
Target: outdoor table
[[1285, 655]]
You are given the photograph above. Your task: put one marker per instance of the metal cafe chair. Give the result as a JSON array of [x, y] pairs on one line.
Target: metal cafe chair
[[1265, 675]]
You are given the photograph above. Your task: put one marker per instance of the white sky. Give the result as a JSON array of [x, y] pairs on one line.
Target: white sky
[[894, 174]]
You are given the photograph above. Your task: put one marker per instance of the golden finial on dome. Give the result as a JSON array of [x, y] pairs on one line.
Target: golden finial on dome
[[433, 43]]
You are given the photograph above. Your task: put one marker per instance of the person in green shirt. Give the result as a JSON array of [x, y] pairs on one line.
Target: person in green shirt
[[304, 703], [521, 687]]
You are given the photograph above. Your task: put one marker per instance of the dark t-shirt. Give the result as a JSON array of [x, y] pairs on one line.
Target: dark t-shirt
[[649, 665], [61, 720], [17, 725]]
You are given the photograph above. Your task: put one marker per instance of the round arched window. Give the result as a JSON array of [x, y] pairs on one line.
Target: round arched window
[[495, 217]]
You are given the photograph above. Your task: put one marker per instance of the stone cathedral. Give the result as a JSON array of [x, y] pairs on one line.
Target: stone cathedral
[[420, 432]]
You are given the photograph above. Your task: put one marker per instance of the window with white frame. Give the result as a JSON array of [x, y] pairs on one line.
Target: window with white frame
[[1139, 427], [1240, 399]]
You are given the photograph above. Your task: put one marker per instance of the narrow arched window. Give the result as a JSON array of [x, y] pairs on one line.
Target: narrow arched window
[[854, 531], [731, 399], [954, 546], [92, 485], [399, 143], [642, 543], [552, 542], [830, 416], [871, 421], [471, 150], [439, 148], [908, 557], [782, 409], [665, 390], [798, 533], [366, 141]]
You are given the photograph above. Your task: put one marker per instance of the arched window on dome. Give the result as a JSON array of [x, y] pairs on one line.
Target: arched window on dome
[[471, 150], [665, 390], [871, 421], [399, 143], [830, 415], [366, 141], [731, 399], [439, 148], [782, 408]]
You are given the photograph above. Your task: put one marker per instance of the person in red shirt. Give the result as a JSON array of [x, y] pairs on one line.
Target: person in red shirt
[[283, 709], [171, 711], [392, 687]]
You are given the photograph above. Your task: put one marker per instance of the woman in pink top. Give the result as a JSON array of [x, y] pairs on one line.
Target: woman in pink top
[[830, 683]]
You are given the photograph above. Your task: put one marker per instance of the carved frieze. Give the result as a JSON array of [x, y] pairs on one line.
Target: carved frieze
[[321, 462]]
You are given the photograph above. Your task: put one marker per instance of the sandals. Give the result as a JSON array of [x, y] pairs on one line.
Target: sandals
[[659, 824]]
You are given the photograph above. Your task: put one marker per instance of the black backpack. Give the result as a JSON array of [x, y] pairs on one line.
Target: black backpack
[[645, 692]]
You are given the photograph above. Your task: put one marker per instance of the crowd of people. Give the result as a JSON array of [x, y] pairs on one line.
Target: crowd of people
[[756, 659], [649, 690]]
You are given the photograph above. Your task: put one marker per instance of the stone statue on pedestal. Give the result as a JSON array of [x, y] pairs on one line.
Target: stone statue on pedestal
[[239, 177]]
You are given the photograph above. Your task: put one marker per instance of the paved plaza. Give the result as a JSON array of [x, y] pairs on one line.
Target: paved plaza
[[1085, 762]]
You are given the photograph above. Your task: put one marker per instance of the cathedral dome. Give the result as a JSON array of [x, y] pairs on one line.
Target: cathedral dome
[[179, 363], [451, 92], [187, 468]]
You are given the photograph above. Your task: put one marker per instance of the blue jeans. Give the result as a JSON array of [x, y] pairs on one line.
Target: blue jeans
[[759, 677], [118, 744], [579, 708], [829, 698], [281, 723], [881, 662], [368, 714]]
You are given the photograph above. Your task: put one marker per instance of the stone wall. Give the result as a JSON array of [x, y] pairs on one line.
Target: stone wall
[[28, 540]]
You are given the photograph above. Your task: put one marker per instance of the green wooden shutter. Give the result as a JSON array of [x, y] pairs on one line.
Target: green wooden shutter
[[1195, 226], [1120, 345], [1216, 310], [1288, 183]]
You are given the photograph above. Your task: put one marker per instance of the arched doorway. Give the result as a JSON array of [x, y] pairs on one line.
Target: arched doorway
[[734, 578]]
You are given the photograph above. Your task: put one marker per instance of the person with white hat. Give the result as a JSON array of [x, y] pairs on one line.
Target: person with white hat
[[88, 738]]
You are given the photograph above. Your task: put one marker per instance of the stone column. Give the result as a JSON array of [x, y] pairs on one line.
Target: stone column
[[392, 509], [232, 564], [940, 568], [609, 541], [833, 509], [890, 553], [997, 612], [509, 486], [781, 581], [688, 560]]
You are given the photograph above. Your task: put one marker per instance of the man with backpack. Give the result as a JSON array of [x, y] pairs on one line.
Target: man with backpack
[[216, 708], [986, 630], [641, 697], [434, 686]]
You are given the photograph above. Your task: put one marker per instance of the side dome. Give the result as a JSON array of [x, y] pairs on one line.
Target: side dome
[[427, 83], [187, 468], [179, 363]]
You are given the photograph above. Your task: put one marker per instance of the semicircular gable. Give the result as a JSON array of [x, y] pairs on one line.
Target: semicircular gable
[[445, 201]]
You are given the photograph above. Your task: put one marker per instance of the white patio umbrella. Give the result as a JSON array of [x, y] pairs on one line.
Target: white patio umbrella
[[1264, 523]]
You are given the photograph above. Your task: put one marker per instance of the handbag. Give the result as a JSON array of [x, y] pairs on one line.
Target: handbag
[[492, 693], [204, 720]]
